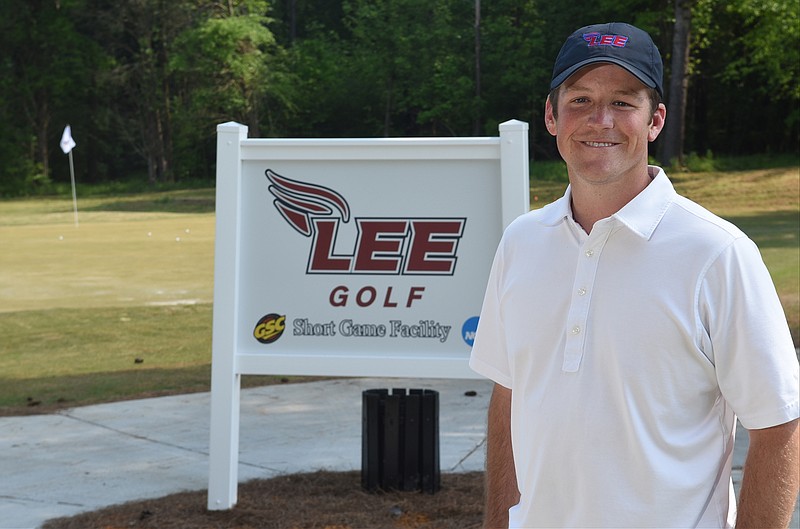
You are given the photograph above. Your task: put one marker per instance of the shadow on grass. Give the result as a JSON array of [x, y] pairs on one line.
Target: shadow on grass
[[44, 395], [780, 229], [49, 394], [160, 204]]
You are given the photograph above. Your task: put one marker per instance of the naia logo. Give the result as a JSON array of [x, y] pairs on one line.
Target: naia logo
[[597, 39], [386, 246]]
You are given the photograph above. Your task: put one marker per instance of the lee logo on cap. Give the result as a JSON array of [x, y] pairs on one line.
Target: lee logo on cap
[[596, 39]]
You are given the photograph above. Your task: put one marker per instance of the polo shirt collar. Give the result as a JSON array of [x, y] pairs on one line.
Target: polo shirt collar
[[641, 215], [558, 210]]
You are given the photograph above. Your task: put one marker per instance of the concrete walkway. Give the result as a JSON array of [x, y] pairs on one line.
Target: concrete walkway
[[83, 459]]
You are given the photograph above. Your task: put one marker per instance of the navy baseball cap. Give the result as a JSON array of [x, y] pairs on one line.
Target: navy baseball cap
[[618, 43]]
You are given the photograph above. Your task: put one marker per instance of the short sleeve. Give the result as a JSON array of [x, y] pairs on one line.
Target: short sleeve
[[752, 348], [489, 355]]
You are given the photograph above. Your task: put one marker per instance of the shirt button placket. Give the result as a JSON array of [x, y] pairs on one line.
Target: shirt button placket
[[579, 309]]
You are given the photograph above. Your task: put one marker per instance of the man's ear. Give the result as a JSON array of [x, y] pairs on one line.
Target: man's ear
[[549, 118], [657, 124]]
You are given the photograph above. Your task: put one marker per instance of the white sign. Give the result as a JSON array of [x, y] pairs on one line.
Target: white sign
[[351, 257]]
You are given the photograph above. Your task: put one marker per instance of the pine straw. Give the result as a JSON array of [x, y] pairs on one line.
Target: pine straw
[[322, 500]]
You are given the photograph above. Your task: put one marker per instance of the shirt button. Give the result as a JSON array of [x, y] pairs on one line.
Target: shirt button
[[581, 291], [589, 253], [576, 330]]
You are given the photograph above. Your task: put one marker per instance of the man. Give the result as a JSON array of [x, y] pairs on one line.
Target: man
[[626, 327]]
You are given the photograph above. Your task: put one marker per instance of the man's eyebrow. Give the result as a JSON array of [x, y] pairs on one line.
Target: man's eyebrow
[[632, 92]]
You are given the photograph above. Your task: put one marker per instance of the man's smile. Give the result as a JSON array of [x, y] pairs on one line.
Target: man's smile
[[599, 143]]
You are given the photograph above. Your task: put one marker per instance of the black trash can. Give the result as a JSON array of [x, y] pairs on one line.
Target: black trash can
[[400, 440]]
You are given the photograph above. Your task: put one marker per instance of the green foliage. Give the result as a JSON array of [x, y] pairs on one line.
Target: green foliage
[[549, 171], [226, 68], [230, 54], [337, 87], [744, 92], [144, 83], [517, 63], [23, 177], [696, 163], [43, 71], [770, 46], [418, 57]]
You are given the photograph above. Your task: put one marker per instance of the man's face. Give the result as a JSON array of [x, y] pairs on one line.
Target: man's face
[[604, 124]]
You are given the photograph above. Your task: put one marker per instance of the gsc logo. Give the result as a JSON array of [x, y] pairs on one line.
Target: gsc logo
[[269, 328]]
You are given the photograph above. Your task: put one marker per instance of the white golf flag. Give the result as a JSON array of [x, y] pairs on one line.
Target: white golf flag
[[67, 143]]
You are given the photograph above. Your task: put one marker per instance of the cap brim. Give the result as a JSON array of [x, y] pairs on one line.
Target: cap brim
[[563, 76]]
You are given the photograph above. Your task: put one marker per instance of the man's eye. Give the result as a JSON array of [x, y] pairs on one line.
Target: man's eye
[[621, 104], [580, 100]]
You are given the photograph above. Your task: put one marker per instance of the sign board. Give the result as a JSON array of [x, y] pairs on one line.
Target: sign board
[[351, 257]]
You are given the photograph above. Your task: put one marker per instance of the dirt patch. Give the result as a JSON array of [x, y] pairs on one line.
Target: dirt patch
[[323, 500]]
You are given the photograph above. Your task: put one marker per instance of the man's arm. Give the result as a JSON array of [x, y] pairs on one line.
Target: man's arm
[[771, 477], [501, 481]]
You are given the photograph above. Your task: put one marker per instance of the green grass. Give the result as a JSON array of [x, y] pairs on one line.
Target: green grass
[[128, 262], [70, 356], [135, 281], [81, 304]]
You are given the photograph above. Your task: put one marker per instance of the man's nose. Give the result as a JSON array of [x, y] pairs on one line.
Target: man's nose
[[601, 116]]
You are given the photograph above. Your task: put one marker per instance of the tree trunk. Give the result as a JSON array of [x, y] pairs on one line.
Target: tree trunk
[[43, 133], [673, 134], [292, 21], [387, 115], [476, 126]]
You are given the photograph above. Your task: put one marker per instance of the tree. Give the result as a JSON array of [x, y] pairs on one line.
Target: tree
[[518, 60], [419, 56], [476, 128], [143, 82], [766, 63], [745, 61], [138, 36], [43, 69], [228, 66], [671, 146], [298, 20]]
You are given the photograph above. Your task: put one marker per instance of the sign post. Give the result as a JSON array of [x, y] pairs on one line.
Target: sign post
[[351, 257]]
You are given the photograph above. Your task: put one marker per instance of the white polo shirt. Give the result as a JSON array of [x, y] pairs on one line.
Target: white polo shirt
[[629, 351]]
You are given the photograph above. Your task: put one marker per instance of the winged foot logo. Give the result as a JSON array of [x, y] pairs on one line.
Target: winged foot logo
[[297, 202], [383, 246]]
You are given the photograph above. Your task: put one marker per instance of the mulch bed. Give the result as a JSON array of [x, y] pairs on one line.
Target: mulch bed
[[323, 500]]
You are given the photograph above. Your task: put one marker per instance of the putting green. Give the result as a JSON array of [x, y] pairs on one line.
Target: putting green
[[160, 260]]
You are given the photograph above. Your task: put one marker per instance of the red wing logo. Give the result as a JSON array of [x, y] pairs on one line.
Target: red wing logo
[[298, 201], [383, 246]]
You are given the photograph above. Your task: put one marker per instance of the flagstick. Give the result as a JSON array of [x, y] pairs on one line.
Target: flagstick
[[74, 195]]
